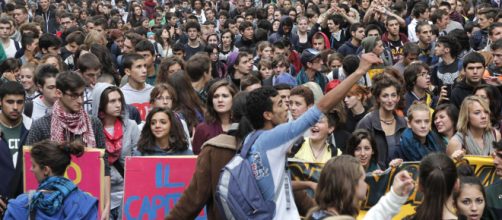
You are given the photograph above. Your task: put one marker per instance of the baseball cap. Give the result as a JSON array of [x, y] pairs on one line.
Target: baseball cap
[[309, 55]]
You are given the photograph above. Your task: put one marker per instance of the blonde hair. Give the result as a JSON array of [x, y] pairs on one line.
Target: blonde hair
[[94, 37], [417, 106], [463, 117]]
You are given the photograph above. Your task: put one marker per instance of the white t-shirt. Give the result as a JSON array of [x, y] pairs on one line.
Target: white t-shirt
[[139, 99], [39, 109], [10, 51]]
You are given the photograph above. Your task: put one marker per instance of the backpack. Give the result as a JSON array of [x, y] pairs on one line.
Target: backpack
[[237, 193]]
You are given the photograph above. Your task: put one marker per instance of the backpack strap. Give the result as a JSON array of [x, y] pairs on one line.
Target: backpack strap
[[17, 45], [249, 143]]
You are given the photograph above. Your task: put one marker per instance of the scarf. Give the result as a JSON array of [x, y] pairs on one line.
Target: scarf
[[413, 150], [114, 142], [319, 78], [51, 194], [76, 123], [472, 147]]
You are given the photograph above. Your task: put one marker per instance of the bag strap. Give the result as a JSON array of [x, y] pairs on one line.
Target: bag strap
[[119, 168], [249, 143]]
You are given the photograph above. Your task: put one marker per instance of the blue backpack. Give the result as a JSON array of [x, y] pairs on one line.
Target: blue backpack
[[237, 193]]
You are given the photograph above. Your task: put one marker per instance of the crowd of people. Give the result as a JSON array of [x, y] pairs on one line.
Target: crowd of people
[[357, 85]]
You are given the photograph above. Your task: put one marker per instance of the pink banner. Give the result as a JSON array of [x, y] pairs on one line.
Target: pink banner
[[154, 184], [87, 172]]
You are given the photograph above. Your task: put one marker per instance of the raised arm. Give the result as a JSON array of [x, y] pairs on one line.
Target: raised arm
[[337, 94]]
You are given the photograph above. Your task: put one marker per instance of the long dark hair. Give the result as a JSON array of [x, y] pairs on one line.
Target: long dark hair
[[177, 139], [211, 114], [189, 103], [103, 101], [494, 96], [55, 155], [437, 177], [355, 139], [105, 57]]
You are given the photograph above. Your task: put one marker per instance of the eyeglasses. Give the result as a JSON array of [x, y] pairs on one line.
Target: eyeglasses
[[74, 96], [163, 98]]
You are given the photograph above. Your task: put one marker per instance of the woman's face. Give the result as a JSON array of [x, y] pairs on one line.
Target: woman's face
[[471, 202], [364, 152], [145, 23], [165, 34], [214, 55], [222, 100], [302, 25], [481, 93], [26, 79], [378, 50], [478, 116], [137, 11], [265, 72], [160, 125], [226, 39], [335, 64], [388, 98], [361, 187], [365, 4], [266, 53], [352, 101], [83, 16], [40, 173], [212, 40], [114, 106], [420, 123], [270, 10], [443, 122], [53, 61], [321, 130], [173, 68], [164, 100], [275, 26]]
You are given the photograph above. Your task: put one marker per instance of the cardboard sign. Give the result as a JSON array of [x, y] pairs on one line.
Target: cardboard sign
[[153, 185], [379, 185], [87, 172]]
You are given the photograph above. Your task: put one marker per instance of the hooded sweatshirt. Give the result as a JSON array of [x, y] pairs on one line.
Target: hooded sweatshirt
[[292, 37], [129, 140], [77, 205]]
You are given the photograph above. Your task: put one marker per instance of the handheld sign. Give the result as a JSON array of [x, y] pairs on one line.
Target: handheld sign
[[87, 172], [153, 185]]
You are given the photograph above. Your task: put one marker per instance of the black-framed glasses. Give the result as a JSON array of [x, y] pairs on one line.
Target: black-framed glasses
[[74, 96]]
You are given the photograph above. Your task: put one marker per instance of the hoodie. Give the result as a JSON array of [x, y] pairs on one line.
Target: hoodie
[[77, 205], [292, 37], [129, 140]]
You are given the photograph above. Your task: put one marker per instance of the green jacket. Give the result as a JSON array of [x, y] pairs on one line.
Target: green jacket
[[3, 56], [493, 208]]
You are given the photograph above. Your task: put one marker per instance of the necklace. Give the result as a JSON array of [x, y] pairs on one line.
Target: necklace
[[388, 122], [7, 124], [319, 153]]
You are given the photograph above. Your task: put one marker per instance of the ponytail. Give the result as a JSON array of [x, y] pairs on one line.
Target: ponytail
[[55, 155], [438, 175]]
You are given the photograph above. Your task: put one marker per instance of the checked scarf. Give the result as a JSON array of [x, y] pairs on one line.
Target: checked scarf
[[51, 194], [76, 123]]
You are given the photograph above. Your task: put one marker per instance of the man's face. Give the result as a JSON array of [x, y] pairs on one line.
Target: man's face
[[128, 47], [318, 44], [284, 94], [233, 28], [99, 29], [12, 106], [497, 161], [279, 51], [248, 33], [53, 50], [148, 57], [91, 76], [474, 72], [483, 21], [393, 27], [89, 26], [44, 4], [443, 22], [193, 34], [5, 30], [425, 16], [425, 34], [497, 58], [410, 58], [20, 16], [496, 34], [49, 90], [359, 34], [373, 33], [137, 72], [279, 111], [439, 50], [180, 54], [72, 101], [66, 23], [315, 64]]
